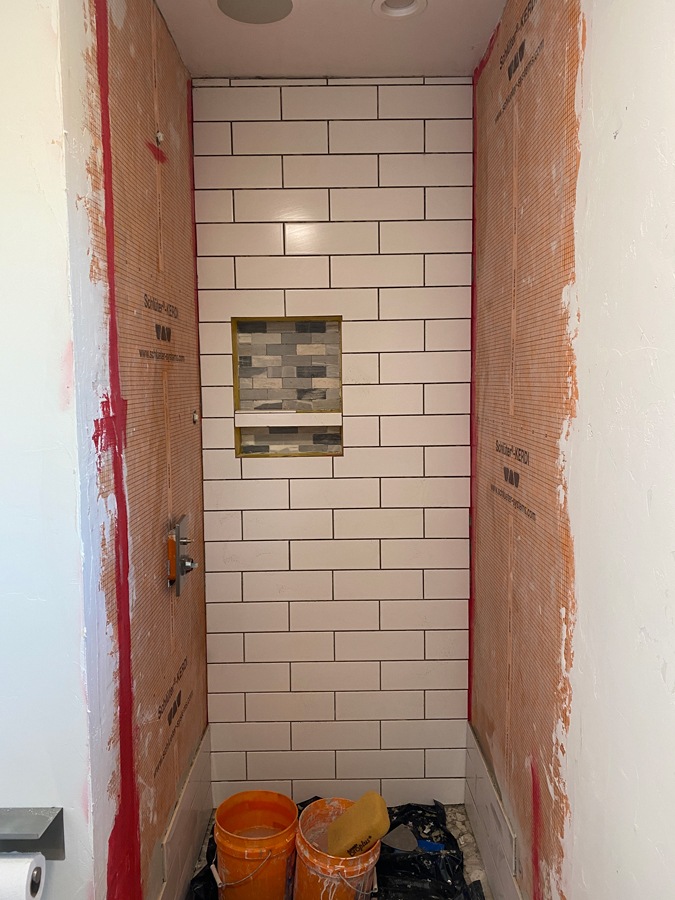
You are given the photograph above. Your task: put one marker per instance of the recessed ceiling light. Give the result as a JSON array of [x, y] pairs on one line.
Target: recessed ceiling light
[[397, 9], [257, 12]]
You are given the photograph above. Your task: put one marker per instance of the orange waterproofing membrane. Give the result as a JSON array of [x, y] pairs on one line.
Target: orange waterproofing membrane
[[143, 240], [523, 589]]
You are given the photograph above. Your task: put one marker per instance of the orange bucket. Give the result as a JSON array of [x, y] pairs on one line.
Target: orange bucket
[[255, 837], [319, 876]]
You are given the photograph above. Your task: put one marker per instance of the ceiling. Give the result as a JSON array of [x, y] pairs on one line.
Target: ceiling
[[338, 38]]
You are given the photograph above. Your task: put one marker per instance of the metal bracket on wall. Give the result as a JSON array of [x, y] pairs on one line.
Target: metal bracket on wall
[[179, 564], [33, 829]]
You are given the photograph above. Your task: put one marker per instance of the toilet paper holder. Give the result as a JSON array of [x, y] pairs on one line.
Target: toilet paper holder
[[33, 829]]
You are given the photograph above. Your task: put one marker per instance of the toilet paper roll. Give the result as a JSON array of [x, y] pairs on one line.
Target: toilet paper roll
[[22, 876]]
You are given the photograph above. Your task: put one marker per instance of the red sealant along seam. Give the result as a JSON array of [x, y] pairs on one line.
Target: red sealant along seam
[[124, 857]]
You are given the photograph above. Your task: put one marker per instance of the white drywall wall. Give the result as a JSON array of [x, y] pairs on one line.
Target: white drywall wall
[[620, 461]]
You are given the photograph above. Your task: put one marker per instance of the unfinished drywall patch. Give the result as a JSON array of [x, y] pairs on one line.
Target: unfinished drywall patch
[[526, 168], [621, 836]]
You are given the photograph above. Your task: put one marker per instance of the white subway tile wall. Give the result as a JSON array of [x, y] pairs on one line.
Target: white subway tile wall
[[337, 589]]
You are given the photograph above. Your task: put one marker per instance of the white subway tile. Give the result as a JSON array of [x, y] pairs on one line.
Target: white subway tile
[[351, 304], [237, 172], [401, 585], [294, 764], [335, 615], [425, 237], [336, 676], [281, 205], [376, 271], [375, 645], [224, 789], [215, 273], [447, 269], [439, 733], [240, 556], [448, 79], [449, 136], [425, 492], [427, 553], [278, 82], [445, 704], [426, 102], [210, 82], [212, 138], [222, 525], [251, 736], [448, 584], [287, 524], [445, 763], [246, 617], [380, 705], [289, 647], [378, 523], [331, 237], [377, 137], [362, 337], [446, 523], [448, 334], [423, 170], [223, 587], [295, 707], [245, 495], [226, 707], [408, 431], [224, 648], [260, 138], [360, 431], [449, 203], [424, 790], [216, 370], [221, 306], [261, 586], [213, 206], [382, 400], [429, 615], [380, 763], [425, 367], [283, 271], [429, 675], [228, 766], [224, 104], [378, 462], [335, 494], [360, 368], [329, 102], [425, 303], [330, 171], [291, 467], [336, 735], [447, 644], [234, 678], [392, 80], [217, 434], [376, 204], [351, 789], [242, 240], [215, 337], [447, 461], [217, 402], [447, 398], [335, 555]]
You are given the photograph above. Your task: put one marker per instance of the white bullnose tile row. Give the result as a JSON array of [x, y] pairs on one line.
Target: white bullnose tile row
[[337, 588]]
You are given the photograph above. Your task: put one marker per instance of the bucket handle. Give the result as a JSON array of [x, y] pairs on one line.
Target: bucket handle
[[226, 884], [357, 890]]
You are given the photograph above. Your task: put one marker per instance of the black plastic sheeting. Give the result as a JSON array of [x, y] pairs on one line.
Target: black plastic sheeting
[[432, 872]]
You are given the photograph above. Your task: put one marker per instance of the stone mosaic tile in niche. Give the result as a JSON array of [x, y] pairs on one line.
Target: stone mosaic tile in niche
[[292, 364], [323, 440]]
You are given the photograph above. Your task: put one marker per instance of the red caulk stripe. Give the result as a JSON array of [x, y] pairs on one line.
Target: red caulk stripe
[[157, 152], [124, 857]]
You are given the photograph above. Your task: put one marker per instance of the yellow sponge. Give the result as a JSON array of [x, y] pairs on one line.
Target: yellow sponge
[[361, 826]]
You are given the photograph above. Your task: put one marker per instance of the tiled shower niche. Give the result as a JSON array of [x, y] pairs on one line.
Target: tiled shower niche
[[288, 395]]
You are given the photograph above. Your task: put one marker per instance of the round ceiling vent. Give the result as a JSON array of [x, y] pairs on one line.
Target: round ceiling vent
[[398, 9], [257, 12]]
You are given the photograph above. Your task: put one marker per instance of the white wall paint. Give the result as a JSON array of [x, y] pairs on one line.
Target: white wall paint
[[50, 577], [620, 461]]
